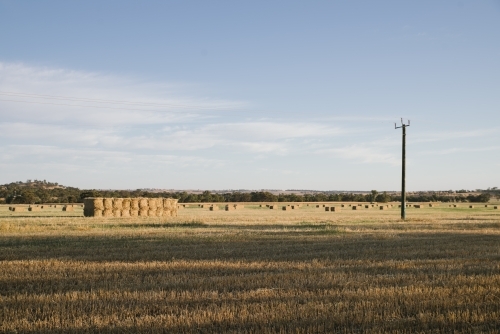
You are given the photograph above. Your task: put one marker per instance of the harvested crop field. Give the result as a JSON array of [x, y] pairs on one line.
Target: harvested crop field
[[253, 270]]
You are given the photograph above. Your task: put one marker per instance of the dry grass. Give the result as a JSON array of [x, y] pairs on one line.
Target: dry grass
[[253, 270]]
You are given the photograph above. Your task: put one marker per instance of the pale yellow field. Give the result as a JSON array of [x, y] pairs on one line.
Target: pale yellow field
[[253, 271]]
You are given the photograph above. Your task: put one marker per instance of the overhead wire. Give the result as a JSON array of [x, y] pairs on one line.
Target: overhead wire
[[115, 102]]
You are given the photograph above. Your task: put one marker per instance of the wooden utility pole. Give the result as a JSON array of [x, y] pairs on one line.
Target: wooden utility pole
[[403, 172]]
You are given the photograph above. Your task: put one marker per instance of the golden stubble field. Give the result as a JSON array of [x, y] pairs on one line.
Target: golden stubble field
[[252, 271]]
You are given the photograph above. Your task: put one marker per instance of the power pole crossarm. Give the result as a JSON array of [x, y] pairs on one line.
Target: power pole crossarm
[[403, 171]]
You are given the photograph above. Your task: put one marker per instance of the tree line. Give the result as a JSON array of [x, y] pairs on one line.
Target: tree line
[[16, 193]]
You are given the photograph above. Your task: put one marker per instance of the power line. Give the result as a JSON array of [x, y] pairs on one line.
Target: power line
[[79, 99]]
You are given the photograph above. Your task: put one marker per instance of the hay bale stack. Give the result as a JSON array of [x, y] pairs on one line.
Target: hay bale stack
[[334, 209], [285, 208], [134, 213], [382, 207], [327, 208], [216, 208], [68, 208], [273, 207], [354, 207], [125, 213], [134, 204], [117, 213]]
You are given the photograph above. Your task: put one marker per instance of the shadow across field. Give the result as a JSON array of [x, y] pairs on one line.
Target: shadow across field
[[234, 278]]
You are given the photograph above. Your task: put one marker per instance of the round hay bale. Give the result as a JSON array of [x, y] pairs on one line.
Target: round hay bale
[[152, 204], [143, 204], [159, 203], [117, 203], [134, 204], [108, 204], [107, 213], [98, 203], [126, 204]]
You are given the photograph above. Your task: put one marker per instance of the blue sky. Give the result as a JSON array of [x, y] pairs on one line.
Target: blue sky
[[255, 95]]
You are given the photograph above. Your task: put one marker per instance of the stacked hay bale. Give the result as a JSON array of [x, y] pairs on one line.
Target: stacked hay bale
[[152, 207], [273, 207], [117, 207], [159, 207], [134, 207], [93, 207], [383, 207], [354, 207], [108, 207], [285, 208], [170, 207], [334, 209], [125, 209], [143, 207]]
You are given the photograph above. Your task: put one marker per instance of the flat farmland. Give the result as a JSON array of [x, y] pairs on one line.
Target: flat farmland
[[253, 270]]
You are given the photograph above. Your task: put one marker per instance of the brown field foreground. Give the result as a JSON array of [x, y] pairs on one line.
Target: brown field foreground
[[253, 270]]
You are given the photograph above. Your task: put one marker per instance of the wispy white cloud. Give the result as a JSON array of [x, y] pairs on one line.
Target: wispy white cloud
[[453, 150], [364, 154]]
